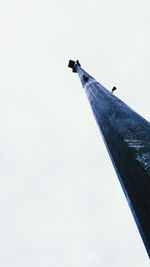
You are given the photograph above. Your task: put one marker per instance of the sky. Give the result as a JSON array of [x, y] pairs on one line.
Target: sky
[[61, 203]]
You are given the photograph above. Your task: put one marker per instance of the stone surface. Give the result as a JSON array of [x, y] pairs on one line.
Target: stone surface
[[127, 138]]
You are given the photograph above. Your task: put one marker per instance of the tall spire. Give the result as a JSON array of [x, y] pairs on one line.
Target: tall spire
[[127, 138]]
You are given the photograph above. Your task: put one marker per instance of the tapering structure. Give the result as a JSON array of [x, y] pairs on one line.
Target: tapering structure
[[127, 138]]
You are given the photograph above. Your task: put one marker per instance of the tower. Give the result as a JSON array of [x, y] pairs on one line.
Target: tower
[[127, 138]]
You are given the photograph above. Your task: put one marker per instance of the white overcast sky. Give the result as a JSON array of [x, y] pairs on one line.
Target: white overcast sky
[[61, 204]]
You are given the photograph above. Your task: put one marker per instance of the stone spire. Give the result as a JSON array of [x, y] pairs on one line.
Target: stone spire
[[127, 138]]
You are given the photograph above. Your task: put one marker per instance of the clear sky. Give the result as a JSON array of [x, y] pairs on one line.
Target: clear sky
[[61, 204]]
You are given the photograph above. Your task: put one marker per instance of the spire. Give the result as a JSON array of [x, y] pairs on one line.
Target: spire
[[127, 138]]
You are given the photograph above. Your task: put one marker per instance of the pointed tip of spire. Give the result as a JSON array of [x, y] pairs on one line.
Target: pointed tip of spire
[[73, 64]]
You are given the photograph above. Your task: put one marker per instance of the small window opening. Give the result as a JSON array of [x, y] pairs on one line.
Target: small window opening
[[85, 78]]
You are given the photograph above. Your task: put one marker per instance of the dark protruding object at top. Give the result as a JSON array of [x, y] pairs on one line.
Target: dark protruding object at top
[[113, 89], [73, 64]]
